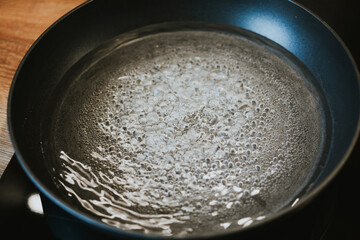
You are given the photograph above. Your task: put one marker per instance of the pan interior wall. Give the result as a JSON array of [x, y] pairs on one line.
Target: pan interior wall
[[186, 132]]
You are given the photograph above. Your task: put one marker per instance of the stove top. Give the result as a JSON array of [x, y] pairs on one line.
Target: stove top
[[331, 215], [20, 211]]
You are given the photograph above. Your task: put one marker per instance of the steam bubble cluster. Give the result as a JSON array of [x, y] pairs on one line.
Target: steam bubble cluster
[[187, 132]]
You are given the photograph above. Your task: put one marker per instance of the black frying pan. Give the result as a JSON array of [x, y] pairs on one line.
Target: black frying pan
[[93, 23]]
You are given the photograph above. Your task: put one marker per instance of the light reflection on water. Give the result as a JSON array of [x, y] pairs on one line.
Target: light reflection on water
[[109, 204]]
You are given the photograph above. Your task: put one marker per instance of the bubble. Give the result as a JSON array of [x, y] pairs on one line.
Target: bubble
[[246, 192]]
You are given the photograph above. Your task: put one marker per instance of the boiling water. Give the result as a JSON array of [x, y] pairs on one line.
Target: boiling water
[[186, 132]]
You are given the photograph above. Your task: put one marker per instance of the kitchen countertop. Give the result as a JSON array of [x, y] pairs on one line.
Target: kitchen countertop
[[21, 23]]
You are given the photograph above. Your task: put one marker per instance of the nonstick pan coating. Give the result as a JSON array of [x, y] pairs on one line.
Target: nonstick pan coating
[[95, 22]]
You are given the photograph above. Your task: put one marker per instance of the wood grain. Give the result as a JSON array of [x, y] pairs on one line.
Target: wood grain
[[21, 23]]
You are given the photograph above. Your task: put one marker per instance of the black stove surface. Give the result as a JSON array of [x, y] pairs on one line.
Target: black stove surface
[[17, 218], [334, 214]]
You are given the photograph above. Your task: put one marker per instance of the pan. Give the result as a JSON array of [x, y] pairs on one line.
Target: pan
[[191, 119]]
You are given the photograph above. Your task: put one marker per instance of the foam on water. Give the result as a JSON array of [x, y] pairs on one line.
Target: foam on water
[[187, 132]]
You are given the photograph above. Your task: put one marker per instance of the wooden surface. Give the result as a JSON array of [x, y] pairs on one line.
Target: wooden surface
[[21, 23]]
